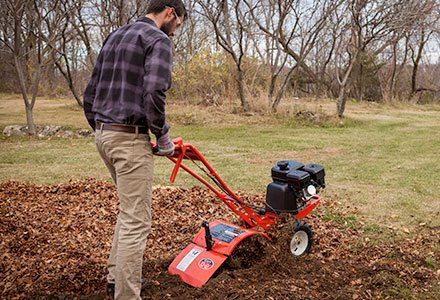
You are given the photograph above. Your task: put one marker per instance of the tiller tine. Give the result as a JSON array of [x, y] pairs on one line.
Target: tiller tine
[[211, 246]]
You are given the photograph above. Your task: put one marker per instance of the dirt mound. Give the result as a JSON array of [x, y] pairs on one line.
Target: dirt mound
[[55, 241]]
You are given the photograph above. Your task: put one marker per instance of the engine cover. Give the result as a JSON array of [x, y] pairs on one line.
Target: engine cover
[[280, 197], [289, 190]]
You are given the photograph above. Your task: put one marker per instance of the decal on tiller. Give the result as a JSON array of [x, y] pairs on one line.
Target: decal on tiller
[[189, 258], [206, 263]]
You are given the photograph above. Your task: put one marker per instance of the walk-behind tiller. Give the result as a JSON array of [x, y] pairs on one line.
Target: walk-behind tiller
[[293, 190]]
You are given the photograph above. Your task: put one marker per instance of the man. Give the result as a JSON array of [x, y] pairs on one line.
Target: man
[[123, 102]]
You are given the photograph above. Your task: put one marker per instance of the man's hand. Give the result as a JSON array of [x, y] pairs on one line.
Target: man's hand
[[165, 146]]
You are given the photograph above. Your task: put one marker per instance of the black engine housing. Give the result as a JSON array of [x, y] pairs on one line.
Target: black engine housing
[[288, 191]]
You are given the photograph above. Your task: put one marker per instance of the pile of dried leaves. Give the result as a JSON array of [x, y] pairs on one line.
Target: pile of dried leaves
[[55, 241]]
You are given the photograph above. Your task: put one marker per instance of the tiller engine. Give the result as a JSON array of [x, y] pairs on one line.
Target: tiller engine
[[293, 191]]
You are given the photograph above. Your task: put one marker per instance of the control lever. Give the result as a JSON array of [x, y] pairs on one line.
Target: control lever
[[208, 237]]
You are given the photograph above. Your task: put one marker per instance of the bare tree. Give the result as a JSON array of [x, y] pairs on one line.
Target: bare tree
[[271, 54], [347, 48], [397, 57], [416, 51], [65, 56], [116, 13], [296, 26], [427, 16], [372, 26], [192, 36], [226, 18], [23, 32]]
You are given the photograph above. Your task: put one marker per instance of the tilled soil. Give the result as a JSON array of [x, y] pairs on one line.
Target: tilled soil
[[55, 241]]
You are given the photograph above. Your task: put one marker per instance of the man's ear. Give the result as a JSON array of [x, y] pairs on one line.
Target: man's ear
[[170, 12]]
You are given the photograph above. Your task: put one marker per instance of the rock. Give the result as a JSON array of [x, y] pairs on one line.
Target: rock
[[15, 130], [68, 134], [307, 115], [49, 130], [84, 133]]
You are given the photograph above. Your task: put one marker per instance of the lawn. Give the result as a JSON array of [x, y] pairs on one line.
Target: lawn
[[382, 162]]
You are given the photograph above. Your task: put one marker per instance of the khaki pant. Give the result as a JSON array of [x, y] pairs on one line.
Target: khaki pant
[[129, 159]]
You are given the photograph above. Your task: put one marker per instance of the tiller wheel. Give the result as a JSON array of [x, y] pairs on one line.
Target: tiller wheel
[[302, 239]]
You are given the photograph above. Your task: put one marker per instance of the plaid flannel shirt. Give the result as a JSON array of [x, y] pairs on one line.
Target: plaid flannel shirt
[[130, 78]]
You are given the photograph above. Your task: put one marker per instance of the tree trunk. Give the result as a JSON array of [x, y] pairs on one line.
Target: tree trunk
[[414, 77], [67, 73], [361, 80], [392, 80], [77, 97], [271, 92], [275, 72], [390, 93], [416, 60], [68, 76], [23, 87], [50, 73], [279, 97], [32, 129], [34, 88], [342, 99], [240, 79], [282, 90], [227, 22]]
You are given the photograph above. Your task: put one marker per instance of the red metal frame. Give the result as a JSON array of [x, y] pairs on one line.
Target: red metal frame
[[235, 203]]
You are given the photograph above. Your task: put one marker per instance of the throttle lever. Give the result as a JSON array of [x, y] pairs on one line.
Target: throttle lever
[[208, 237]]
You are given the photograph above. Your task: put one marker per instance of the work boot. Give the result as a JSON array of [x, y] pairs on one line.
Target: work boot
[[110, 289]]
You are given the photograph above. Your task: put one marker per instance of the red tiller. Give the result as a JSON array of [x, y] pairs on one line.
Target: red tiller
[[293, 191]]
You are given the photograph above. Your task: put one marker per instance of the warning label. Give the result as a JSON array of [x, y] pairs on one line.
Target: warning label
[[189, 258], [225, 233]]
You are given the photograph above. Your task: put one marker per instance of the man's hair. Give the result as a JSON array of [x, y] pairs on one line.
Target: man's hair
[[157, 6]]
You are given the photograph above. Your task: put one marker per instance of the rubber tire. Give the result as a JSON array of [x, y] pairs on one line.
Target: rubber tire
[[305, 231]]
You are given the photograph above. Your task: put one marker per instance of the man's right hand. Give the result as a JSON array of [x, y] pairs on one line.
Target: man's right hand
[[165, 146]]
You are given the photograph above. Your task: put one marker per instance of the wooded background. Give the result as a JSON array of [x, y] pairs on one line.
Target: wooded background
[[249, 50]]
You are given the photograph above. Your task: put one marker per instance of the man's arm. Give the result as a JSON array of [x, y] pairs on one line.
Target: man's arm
[[157, 80], [89, 93]]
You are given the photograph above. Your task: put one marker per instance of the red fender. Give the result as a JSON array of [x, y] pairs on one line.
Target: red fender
[[195, 264]]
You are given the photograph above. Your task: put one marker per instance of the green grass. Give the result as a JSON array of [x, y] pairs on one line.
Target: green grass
[[348, 221], [431, 262], [42, 161], [382, 160]]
